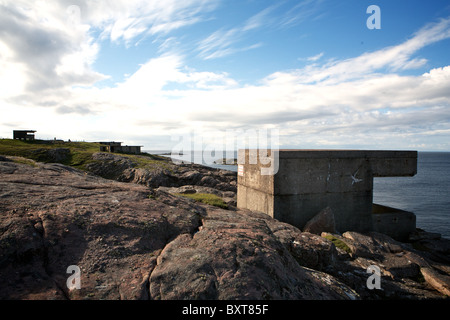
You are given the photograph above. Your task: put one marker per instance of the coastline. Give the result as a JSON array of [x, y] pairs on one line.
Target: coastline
[[402, 192], [131, 226]]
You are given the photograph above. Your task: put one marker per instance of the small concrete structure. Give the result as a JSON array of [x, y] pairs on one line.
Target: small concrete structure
[[396, 223], [110, 146], [23, 134], [117, 147], [130, 149], [307, 181]]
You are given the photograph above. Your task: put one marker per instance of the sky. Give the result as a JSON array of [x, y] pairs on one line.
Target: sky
[[147, 72]]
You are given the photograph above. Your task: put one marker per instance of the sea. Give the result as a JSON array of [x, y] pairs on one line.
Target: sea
[[427, 194]]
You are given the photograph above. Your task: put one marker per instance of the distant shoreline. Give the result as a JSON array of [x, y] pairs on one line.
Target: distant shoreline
[[219, 163]]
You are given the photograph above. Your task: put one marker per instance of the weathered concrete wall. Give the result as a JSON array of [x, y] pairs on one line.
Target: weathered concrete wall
[[309, 180], [255, 200], [351, 210], [396, 223], [129, 149]]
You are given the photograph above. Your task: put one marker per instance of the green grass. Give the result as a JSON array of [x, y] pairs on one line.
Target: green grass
[[37, 150], [206, 198], [338, 243], [26, 149], [80, 153]]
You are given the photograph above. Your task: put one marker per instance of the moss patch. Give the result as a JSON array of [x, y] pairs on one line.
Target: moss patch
[[338, 243], [206, 198]]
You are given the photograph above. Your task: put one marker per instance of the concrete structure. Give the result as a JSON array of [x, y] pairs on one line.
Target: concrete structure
[[23, 134], [394, 222], [111, 146], [117, 147], [130, 149], [307, 181]]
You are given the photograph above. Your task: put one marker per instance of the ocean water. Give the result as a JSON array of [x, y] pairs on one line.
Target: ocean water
[[427, 194]]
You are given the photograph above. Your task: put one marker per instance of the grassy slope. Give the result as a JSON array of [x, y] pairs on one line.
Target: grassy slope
[[80, 153]]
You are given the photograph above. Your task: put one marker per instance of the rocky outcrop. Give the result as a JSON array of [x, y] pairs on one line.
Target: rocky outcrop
[[132, 241], [166, 175], [163, 173], [109, 165], [406, 273], [236, 256], [56, 155]]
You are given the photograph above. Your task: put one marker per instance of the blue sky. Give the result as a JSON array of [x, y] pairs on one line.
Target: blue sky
[[143, 72], [286, 35]]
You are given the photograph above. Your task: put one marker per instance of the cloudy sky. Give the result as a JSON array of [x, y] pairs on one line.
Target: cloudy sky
[[143, 72]]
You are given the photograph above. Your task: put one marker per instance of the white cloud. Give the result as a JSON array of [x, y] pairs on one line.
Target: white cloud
[[46, 79], [47, 51], [395, 58], [306, 9], [261, 19], [125, 20], [224, 42], [336, 100], [315, 58]]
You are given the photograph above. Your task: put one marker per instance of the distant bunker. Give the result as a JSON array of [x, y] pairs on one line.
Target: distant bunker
[[23, 134], [113, 146], [307, 181]]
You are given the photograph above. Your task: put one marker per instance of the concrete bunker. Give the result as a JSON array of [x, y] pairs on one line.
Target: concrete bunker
[[23, 134], [113, 146], [307, 181]]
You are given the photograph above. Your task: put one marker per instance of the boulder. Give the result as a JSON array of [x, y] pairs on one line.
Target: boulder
[[439, 248], [111, 166], [310, 250], [372, 245], [438, 281], [58, 155], [313, 251], [208, 181], [420, 234], [321, 222], [235, 256], [190, 177]]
